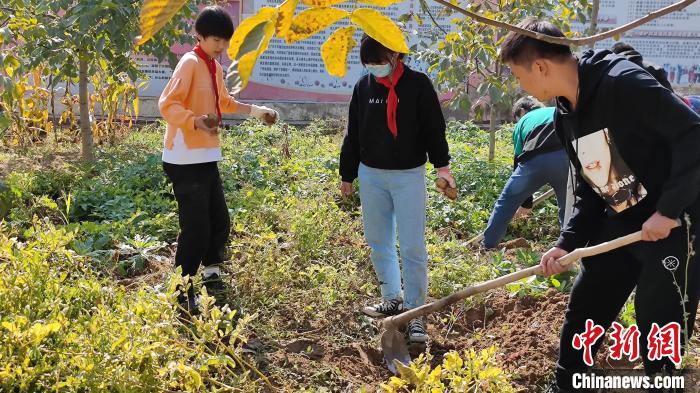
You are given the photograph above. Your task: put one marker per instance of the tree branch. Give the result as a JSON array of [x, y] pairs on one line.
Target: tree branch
[[426, 9], [570, 41]]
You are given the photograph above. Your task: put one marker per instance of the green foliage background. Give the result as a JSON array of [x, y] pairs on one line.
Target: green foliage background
[[85, 256]]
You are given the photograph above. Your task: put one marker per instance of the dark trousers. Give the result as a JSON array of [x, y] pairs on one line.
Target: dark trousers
[[606, 281], [203, 215]]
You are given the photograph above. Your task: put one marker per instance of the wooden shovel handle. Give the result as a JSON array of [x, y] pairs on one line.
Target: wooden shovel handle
[[509, 278]]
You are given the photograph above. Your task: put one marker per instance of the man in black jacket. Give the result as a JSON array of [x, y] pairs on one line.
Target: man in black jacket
[[631, 54], [635, 146]]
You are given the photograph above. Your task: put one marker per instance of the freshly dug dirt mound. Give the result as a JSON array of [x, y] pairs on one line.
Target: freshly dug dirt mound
[[525, 330]]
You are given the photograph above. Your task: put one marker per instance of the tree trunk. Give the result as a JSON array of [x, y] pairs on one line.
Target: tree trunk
[[492, 132], [85, 127], [595, 9], [53, 109]]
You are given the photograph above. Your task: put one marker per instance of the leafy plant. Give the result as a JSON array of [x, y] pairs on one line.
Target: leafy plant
[[469, 372], [64, 328]]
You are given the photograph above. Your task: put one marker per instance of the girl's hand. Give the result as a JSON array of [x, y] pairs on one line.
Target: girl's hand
[[446, 174], [200, 123], [266, 115], [346, 189]]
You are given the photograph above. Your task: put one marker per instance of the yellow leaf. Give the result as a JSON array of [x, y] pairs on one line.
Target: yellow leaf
[[154, 15], [284, 19], [119, 342], [39, 331], [336, 49], [136, 107], [435, 375], [381, 28], [241, 35], [250, 39], [407, 373], [246, 63], [313, 20], [490, 373], [380, 3], [452, 37], [321, 3], [36, 74]]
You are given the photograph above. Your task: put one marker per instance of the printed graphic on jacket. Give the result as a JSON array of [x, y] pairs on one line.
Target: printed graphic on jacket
[[606, 172]]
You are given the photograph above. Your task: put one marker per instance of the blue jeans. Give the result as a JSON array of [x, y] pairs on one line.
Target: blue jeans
[[548, 168], [391, 200]]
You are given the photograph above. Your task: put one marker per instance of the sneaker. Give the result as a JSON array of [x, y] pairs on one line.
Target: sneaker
[[189, 302], [216, 288], [484, 249], [416, 331], [385, 309]]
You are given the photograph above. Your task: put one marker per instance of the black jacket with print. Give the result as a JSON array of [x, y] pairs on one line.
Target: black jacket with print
[[420, 123], [656, 135]]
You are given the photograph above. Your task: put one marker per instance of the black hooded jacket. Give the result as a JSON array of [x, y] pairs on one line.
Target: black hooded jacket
[[656, 71], [626, 120]]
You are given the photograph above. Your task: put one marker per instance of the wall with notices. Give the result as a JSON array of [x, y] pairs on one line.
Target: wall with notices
[[672, 41], [296, 74]]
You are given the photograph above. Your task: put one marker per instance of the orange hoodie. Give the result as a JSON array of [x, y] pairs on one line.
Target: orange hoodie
[[189, 94]]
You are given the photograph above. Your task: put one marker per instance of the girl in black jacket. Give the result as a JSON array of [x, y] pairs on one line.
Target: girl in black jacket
[[395, 125]]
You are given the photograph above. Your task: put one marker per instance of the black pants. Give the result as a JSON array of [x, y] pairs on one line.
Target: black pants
[[606, 281], [203, 215]]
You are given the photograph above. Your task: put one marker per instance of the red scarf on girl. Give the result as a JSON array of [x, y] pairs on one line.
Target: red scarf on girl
[[211, 66], [392, 102]]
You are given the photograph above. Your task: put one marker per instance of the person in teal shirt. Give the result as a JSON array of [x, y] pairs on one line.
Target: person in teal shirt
[[539, 158]]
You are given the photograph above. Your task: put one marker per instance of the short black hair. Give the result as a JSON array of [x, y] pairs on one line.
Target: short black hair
[[620, 47], [372, 52], [526, 104], [523, 50], [214, 21]]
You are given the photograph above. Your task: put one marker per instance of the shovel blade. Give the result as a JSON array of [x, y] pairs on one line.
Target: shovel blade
[[394, 348]]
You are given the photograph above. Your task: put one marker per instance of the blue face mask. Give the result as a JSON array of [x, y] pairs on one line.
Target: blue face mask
[[380, 70]]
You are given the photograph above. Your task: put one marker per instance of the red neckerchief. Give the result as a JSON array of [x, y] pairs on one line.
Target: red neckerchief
[[392, 102], [211, 66]]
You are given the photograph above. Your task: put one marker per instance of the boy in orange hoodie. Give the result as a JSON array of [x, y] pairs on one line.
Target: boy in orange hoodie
[[192, 150]]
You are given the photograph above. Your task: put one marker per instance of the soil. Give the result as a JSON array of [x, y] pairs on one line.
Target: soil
[[524, 329], [36, 161], [515, 243]]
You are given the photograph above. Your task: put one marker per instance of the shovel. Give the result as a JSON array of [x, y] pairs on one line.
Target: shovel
[[393, 341]]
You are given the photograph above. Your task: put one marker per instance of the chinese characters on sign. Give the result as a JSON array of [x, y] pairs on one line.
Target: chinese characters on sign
[[296, 72]]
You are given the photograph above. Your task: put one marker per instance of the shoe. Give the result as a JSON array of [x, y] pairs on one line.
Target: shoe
[[216, 288], [385, 309], [484, 249], [188, 302], [416, 331]]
